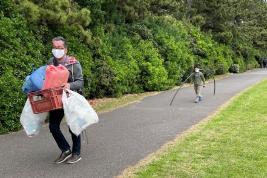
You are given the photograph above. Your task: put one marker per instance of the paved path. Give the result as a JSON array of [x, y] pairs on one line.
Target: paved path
[[122, 137]]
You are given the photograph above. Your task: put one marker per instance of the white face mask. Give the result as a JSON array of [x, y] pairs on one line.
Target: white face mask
[[196, 70], [58, 53]]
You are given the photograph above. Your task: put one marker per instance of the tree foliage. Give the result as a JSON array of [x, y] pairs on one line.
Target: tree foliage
[[57, 14]]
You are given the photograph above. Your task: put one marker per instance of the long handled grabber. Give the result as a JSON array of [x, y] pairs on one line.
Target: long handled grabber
[[180, 88]]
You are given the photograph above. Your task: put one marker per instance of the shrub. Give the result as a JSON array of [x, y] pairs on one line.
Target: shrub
[[234, 68], [153, 74], [117, 52], [172, 41], [20, 53]]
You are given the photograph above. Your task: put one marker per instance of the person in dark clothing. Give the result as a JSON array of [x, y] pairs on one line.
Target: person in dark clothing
[[75, 83]]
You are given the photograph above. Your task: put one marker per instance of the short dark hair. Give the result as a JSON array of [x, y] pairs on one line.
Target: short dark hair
[[60, 38]]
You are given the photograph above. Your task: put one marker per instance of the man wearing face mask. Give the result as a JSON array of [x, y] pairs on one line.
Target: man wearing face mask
[[75, 83], [199, 81]]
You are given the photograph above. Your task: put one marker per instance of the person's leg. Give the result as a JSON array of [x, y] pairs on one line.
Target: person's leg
[[199, 92], [55, 119], [196, 88], [76, 140], [76, 149], [54, 127]]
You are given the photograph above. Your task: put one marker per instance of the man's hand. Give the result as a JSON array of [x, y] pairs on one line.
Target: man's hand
[[66, 86]]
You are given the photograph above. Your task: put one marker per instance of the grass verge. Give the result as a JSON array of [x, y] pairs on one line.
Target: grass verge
[[231, 144], [109, 104]]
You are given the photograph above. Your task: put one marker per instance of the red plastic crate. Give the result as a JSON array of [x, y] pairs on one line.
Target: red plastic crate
[[46, 100]]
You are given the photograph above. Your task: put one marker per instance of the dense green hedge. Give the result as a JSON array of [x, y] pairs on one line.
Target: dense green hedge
[[152, 54], [20, 52]]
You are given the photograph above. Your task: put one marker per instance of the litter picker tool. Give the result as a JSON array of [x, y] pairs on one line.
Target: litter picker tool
[[180, 88]]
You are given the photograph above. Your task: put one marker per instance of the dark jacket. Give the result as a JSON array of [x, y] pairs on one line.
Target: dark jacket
[[74, 67]]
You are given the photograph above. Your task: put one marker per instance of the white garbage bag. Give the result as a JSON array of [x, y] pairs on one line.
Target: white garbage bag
[[31, 122], [78, 112]]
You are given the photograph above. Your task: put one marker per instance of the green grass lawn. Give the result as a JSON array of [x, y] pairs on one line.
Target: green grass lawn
[[231, 144]]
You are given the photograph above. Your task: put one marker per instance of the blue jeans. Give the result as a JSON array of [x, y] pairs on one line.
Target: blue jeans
[[55, 119]]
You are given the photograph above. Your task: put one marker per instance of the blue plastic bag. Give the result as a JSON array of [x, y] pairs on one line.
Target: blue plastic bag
[[37, 78], [27, 86]]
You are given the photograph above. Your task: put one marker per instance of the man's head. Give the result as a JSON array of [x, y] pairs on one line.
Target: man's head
[[59, 47], [196, 69]]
